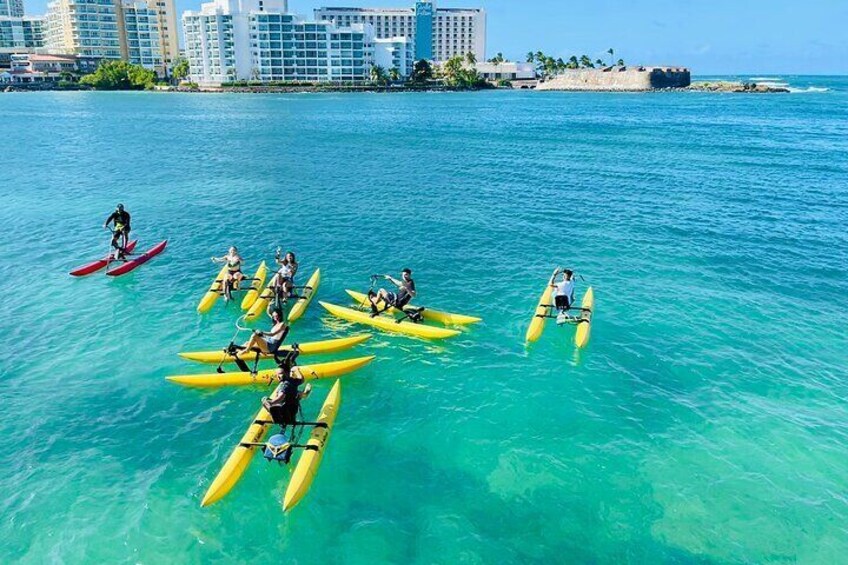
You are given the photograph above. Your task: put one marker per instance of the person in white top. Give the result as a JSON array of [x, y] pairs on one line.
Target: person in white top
[[282, 282], [563, 290]]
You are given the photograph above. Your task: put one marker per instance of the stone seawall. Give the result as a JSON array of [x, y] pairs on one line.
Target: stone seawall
[[619, 79]]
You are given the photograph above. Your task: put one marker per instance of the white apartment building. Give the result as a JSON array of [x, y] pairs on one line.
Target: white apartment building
[[12, 8], [395, 53], [24, 34], [140, 43], [84, 27], [508, 70], [256, 40], [437, 33]]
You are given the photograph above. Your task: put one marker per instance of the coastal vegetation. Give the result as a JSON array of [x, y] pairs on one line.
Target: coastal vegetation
[[180, 70], [379, 76], [457, 73], [119, 75], [548, 66], [422, 71], [461, 72]]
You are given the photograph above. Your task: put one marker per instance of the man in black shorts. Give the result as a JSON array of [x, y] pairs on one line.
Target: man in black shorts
[[393, 299], [285, 405]]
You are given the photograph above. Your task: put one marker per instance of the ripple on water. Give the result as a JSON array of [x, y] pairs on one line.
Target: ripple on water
[[705, 421]]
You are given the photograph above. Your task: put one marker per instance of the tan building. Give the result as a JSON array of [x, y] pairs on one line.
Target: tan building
[[168, 32], [83, 27], [143, 32]]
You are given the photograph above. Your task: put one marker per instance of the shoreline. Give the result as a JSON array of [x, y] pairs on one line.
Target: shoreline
[[718, 87]]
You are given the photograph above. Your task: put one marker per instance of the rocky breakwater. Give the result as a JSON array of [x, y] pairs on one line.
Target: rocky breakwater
[[733, 86]]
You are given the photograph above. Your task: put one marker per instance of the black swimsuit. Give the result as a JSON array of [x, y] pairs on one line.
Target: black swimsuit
[[121, 221], [284, 410]]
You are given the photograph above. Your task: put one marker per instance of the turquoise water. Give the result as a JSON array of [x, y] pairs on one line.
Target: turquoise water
[[705, 422]]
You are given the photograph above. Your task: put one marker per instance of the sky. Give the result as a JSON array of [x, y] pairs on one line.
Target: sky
[[708, 36]]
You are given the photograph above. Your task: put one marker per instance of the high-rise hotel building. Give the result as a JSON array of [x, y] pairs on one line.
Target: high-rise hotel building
[[84, 27], [437, 33], [137, 31], [12, 8], [258, 40], [21, 34], [139, 34], [166, 18]]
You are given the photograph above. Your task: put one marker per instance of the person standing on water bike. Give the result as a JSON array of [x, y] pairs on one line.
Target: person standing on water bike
[[120, 218], [234, 275], [393, 299]]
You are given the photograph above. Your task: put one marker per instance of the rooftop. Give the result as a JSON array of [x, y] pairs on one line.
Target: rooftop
[[405, 11], [52, 58]]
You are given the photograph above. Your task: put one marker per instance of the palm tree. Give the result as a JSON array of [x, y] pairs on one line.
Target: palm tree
[[620, 62], [573, 63], [471, 58], [530, 56], [600, 63], [181, 70], [378, 74], [560, 65], [611, 52], [422, 71], [497, 59], [452, 70], [586, 62], [394, 74], [539, 58]]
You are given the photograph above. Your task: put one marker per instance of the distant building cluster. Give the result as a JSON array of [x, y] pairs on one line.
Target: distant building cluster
[[143, 32], [436, 33], [237, 40], [259, 40]]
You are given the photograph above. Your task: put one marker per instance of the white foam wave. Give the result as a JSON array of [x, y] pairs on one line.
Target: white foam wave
[[809, 89]]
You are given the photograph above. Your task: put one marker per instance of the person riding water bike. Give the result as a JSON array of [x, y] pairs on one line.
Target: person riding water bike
[[234, 275], [285, 405], [563, 292], [120, 218], [283, 280], [392, 299], [284, 409], [268, 343]]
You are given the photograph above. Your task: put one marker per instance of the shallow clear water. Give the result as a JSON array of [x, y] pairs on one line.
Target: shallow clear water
[[706, 421]]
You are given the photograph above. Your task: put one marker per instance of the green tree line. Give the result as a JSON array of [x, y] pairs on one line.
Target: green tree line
[[458, 72], [547, 65], [119, 75]]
